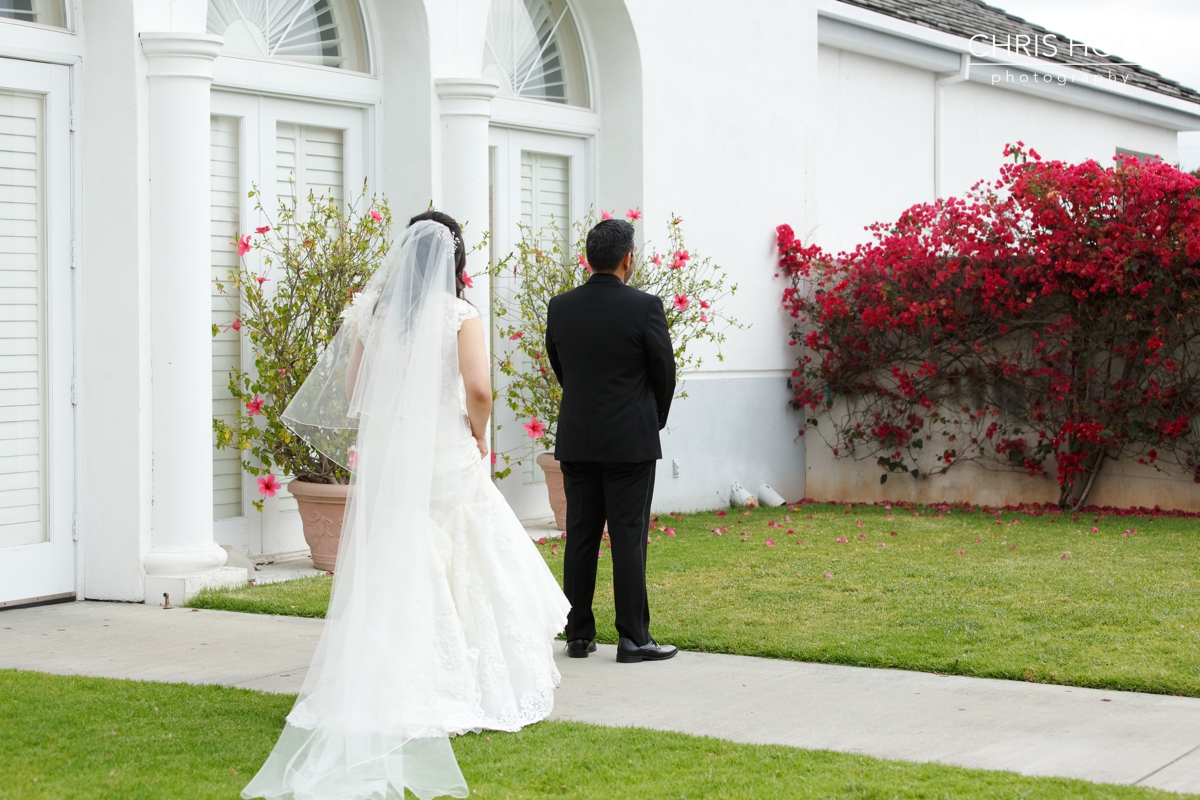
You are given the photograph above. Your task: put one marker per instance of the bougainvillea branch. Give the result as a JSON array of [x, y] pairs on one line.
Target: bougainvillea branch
[[1046, 321]]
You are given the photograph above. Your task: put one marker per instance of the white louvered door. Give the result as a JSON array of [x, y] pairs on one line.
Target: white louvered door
[[541, 181], [546, 209], [309, 159], [37, 550], [226, 206], [268, 143]]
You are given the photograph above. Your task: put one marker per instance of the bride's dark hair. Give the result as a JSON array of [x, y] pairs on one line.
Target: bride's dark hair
[[460, 249]]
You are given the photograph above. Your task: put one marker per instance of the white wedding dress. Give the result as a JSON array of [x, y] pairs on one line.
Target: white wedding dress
[[443, 614]]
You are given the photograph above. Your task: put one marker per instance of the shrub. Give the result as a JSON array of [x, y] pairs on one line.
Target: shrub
[[1048, 316], [312, 267], [543, 265]]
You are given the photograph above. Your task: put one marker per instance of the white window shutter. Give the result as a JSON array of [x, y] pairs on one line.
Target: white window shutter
[[227, 345], [22, 321], [312, 157], [545, 200], [308, 159]]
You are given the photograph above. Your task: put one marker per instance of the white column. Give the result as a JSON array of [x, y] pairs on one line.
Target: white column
[[465, 113], [183, 558]]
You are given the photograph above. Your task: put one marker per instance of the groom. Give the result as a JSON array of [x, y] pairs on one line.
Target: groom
[[609, 346]]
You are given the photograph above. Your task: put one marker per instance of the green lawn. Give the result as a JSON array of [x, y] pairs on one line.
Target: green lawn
[[68, 738], [951, 592]]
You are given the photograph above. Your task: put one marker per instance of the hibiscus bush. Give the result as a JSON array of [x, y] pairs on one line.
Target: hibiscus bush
[[546, 263], [312, 264], [1047, 321]]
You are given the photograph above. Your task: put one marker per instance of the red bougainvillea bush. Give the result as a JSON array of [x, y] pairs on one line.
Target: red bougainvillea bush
[[1046, 322]]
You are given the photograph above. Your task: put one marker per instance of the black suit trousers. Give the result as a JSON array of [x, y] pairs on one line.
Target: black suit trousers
[[620, 494]]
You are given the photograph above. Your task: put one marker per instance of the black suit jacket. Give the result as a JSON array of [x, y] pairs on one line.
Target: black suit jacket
[[609, 346]]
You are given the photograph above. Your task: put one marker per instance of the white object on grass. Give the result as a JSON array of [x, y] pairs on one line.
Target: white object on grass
[[740, 497], [768, 496]]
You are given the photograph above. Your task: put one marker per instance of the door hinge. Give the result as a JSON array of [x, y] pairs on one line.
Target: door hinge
[[74, 527], [74, 392], [74, 115], [74, 253]]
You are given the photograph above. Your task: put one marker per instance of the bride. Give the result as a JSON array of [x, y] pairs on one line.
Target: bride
[[442, 614]]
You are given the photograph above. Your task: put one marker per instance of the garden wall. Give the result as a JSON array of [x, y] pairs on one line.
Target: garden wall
[[1121, 484]]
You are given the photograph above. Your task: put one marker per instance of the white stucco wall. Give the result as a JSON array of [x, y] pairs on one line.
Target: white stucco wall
[[1189, 150], [114, 497], [981, 119], [729, 98], [874, 145]]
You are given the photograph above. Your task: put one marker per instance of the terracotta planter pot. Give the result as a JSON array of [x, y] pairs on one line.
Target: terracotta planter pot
[[322, 506], [554, 484]]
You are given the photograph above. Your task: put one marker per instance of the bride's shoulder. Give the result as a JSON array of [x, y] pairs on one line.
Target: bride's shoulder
[[459, 311]]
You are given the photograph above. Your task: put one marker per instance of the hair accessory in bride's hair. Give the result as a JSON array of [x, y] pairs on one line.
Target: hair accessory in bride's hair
[[446, 236]]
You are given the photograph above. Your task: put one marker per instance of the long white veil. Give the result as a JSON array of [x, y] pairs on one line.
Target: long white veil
[[366, 724]]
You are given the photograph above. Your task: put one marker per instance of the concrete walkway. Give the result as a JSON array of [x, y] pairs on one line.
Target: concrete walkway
[[1117, 737]]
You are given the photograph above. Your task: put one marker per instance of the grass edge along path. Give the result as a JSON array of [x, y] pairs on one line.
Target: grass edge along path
[[70, 738], [1097, 599]]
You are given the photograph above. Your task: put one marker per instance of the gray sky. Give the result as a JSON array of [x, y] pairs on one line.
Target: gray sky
[[1162, 35]]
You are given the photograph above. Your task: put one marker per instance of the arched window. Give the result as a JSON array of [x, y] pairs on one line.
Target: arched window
[[533, 50], [328, 33], [43, 12]]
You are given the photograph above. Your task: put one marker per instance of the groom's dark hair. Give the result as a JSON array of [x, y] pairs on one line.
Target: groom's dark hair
[[607, 243]]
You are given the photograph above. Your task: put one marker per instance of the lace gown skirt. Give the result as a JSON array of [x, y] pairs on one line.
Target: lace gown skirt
[[508, 606]]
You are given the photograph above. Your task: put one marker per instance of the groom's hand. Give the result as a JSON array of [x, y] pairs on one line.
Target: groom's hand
[[482, 444]]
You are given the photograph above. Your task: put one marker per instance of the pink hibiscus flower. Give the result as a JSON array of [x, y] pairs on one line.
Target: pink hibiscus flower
[[535, 428], [262, 230], [605, 215], [236, 325], [375, 215], [633, 214], [254, 407], [243, 245], [268, 486], [467, 282], [516, 335], [681, 302]]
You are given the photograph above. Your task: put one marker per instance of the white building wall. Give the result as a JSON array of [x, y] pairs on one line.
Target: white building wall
[[874, 145], [729, 95], [113, 285], [981, 119], [1189, 151]]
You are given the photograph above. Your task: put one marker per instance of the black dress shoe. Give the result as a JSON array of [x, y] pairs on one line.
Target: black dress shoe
[[579, 648], [630, 653]]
